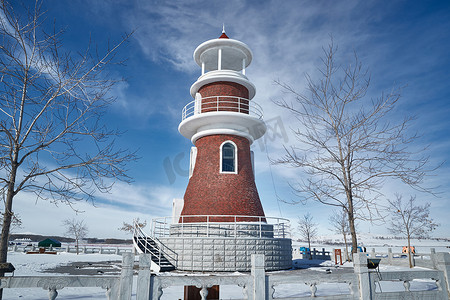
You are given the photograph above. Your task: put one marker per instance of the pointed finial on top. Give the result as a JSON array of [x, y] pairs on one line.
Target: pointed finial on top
[[224, 35]]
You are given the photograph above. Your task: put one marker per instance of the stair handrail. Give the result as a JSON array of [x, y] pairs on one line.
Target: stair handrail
[[161, 249], [137, 240]]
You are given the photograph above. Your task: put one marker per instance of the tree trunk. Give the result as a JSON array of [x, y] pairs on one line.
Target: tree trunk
[[309, 247], [7, 217], [409, 251], [351, 224], [350, 211], [354, 240], [346, 246]]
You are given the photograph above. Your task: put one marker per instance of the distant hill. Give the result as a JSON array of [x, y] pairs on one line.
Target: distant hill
[[38, 238]]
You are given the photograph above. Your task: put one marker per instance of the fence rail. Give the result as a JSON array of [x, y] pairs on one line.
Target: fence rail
[[362, 284], [406, 279], [313, 282], [312, 254], [401, 259], [117, 287], [221, 225], [72, 249]]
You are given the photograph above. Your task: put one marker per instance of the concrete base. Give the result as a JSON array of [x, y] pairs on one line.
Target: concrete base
[[215, 254]]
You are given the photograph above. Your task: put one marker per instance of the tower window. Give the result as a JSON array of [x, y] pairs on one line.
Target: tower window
[[228, 158]]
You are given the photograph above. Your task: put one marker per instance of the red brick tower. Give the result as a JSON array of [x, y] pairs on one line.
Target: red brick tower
[[222, 122], [221, 223]]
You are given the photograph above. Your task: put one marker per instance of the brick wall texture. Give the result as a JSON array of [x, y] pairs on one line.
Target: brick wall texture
[[222, 89], [210, 192]]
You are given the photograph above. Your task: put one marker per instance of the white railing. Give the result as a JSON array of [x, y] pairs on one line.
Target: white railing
[[425, 260], [85, 249], [313, 253], [151, 245], [117, 287], [362, 284], [234, 225], [401, 284], [222, 104]]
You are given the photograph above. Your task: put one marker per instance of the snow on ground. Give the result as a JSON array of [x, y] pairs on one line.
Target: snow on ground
[[33, 265]]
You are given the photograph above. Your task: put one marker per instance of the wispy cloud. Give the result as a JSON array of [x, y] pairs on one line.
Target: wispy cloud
[[123, 204]]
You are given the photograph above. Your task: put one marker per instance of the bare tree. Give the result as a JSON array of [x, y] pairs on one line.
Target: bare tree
[[410, 219], [52, 140], [127, 227], [76, 229], [347, 146], [339, 221], [16, 222], [307, 229]]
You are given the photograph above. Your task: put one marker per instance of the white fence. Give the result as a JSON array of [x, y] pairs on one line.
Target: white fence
[[87, 249], [362, 284], [426, 260], [117, 287], [313, 254]]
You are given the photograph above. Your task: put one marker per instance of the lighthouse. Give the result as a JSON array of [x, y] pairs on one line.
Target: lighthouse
[[220, 222], [222, 122]]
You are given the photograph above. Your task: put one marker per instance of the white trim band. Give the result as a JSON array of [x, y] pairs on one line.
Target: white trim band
[[207, 132]]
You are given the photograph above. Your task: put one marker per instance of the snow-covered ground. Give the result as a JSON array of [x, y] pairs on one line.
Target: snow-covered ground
[[35, 264], [31, 265]]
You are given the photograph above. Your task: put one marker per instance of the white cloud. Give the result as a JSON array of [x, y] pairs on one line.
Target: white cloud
[[123, 204]]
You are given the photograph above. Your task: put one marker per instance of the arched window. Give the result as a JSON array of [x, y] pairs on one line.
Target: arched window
[[228, 162]]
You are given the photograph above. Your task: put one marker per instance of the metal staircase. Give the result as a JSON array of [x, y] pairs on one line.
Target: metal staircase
[[164, 257]]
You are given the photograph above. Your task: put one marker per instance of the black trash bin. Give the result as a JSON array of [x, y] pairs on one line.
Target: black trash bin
[[372, 263]]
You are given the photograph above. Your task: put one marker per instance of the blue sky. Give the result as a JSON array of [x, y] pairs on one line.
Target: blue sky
[[403, 43]]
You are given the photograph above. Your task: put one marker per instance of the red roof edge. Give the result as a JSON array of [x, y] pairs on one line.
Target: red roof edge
[[223, 36]]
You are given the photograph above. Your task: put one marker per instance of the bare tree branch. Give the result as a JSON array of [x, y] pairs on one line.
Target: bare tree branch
[[307, 229], [410, 220], [346, 144], [76, 229], [52, 141], [339, 222]]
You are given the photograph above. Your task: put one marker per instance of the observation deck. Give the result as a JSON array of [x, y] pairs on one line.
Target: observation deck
[[222, 103], [222, 115]]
